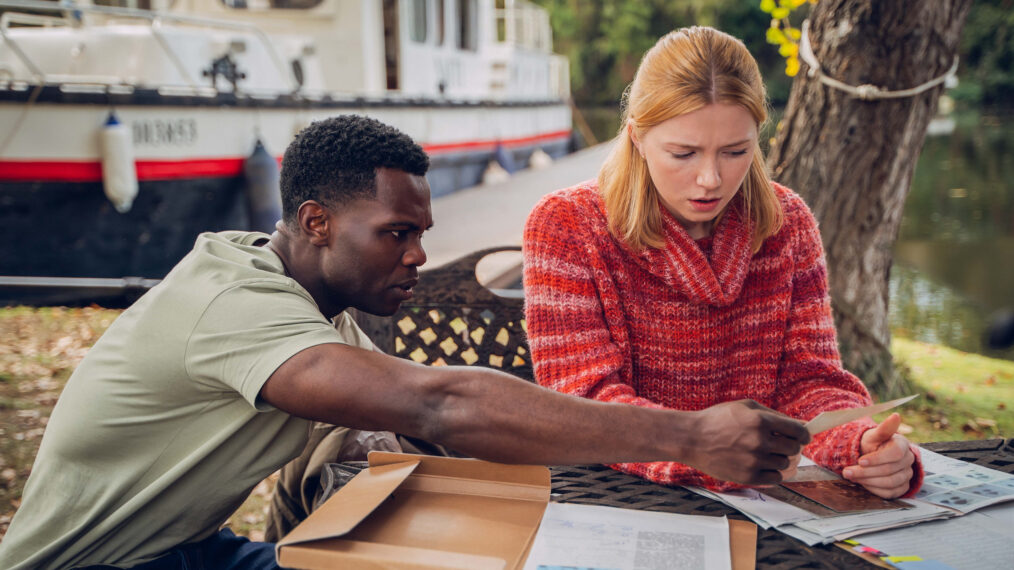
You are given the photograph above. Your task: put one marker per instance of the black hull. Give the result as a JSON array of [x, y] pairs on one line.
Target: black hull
[[65, 231]]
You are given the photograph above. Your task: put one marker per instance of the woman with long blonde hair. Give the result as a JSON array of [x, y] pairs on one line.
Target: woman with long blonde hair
[[683, 277]]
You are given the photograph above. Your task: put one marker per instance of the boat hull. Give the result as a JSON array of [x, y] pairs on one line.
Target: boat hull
[[70, 229], [57, 221]]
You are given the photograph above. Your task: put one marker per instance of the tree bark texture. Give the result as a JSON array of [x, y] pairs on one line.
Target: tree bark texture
[[852, 160]]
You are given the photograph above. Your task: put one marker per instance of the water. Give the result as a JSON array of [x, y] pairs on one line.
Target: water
[[954, 258]]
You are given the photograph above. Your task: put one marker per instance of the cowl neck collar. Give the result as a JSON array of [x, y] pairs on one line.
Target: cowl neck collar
[[714, 279]]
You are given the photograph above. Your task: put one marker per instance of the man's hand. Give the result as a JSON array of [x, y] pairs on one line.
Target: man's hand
[[885, 466], [745, 442]]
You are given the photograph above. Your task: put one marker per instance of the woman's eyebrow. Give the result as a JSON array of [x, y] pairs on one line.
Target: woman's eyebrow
[[694, 147], [737, 143]]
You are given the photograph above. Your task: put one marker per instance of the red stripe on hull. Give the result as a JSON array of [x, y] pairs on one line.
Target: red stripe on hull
[[170, 170], [44, 170], [491, 144], [91, 171]]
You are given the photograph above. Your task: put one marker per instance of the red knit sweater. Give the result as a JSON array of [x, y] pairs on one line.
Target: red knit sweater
[[688, 325]]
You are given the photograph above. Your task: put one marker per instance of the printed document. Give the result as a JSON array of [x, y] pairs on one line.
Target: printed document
[[594, 537], [962, 486]]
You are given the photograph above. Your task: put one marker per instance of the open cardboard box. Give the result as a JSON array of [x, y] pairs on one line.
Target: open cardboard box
[[423, 512]]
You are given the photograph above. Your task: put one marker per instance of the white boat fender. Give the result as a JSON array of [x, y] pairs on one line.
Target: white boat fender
[[539, 160], [263, 196], [495, 174], [505, 158], [119, 174]]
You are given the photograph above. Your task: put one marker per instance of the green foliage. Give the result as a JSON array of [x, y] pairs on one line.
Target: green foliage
[[605, 40], [987, 47], [783, 32], [987, 54]]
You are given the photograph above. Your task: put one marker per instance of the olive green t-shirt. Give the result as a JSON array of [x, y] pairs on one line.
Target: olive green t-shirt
[[159, 434]]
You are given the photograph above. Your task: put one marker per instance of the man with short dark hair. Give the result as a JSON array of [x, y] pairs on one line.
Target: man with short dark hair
[[210, 382]]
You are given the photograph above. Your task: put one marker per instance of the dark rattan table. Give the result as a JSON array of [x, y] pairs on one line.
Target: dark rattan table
[[599, 485]]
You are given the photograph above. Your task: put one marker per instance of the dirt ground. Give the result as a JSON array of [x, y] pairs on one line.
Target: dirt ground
[[39, 350]]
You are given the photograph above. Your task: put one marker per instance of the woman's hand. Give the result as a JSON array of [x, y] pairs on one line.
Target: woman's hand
[[885, 466], [789, 472]]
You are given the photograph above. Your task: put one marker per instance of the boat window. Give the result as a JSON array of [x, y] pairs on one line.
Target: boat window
[[523, 24], [391, 43], [417, 19], [500, 9], [468, 24], [440, 22], [268, 4]]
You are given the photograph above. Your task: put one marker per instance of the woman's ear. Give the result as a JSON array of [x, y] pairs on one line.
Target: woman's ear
[[632, 133]]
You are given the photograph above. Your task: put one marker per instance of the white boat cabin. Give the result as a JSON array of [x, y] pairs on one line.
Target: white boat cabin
[[454, 50]]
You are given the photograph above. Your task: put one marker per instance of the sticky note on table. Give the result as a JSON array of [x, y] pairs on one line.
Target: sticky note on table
[[921, 565], [827, 420]]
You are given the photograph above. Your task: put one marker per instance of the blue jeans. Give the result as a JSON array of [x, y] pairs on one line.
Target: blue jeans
[[221, 551]]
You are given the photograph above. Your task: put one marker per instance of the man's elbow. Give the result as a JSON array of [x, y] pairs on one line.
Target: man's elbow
[[443, 406]]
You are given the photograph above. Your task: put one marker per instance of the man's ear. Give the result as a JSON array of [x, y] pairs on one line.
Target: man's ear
[[314, 222], [633, 138]]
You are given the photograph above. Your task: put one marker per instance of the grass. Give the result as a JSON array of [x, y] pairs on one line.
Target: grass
[[965, 396], [40, 349]]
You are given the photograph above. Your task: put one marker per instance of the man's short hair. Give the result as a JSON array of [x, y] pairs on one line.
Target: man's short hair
[[335, 161]]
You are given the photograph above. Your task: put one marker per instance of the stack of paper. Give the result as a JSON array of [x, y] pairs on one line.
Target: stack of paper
[[982, 539], [589, 536], [952, 488], [963, 486]]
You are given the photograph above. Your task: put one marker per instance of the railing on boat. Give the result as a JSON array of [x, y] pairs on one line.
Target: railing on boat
[[71, 13]]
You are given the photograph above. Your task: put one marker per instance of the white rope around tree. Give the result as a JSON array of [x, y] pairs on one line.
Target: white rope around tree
[[866, 92]]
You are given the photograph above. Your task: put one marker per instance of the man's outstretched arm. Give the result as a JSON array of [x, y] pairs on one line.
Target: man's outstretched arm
[[495, 416]]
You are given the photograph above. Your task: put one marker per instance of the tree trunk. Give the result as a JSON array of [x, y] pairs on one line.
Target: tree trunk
[[852, 160]]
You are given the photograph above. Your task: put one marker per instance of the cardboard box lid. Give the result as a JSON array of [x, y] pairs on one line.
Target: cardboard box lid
[[743, 544], [360, 497], [412, 511]]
